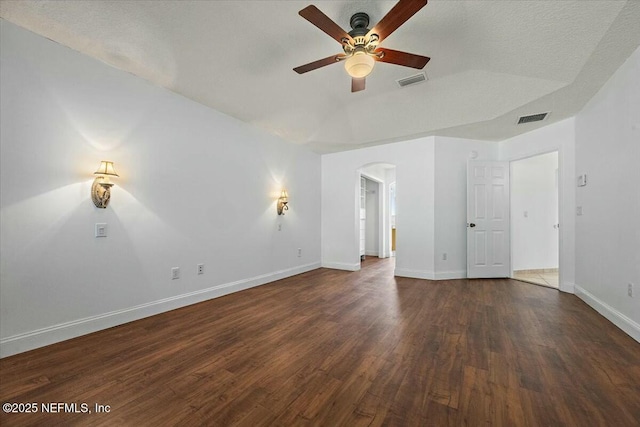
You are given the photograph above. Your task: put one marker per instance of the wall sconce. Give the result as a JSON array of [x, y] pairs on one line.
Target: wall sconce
[[101, 188], [283, 201]]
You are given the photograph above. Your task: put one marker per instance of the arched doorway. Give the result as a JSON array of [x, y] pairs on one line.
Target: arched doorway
[[374, 222]]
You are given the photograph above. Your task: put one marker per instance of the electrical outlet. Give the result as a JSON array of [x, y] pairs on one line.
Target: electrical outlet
[[630, 290], [444, 256], [579, 210], [279, 227], [299, 252], [582, 180], [200, 268], [175, 273]]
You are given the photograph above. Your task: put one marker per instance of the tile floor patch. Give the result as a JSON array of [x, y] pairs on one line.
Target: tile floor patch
[[543, 277]]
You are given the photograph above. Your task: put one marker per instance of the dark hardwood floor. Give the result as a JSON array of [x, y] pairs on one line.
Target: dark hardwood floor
[[333, 348]]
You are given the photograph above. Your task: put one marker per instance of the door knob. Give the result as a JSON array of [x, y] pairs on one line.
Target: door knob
[[472, 225]]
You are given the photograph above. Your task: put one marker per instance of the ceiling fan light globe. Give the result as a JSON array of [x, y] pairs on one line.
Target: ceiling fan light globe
[[359, 65]]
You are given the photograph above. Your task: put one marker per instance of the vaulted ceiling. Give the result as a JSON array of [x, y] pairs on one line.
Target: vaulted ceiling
[[491, 61]]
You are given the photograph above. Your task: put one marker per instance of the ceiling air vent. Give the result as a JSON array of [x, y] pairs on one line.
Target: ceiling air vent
[[532, 118], [411, 80]]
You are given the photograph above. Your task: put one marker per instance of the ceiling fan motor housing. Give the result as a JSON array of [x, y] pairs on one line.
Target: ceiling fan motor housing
[[361, 43], [359, 22]]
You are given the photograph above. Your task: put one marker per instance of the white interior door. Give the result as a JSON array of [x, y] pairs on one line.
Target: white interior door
[[488, 239]]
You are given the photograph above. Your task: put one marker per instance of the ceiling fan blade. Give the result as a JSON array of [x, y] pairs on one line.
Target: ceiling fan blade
[[402, 58], [322, 21], [397, 16], [316, 64], [357, 84]]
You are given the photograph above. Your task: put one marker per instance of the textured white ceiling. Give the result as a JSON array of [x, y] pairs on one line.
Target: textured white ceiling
[[491, 61]]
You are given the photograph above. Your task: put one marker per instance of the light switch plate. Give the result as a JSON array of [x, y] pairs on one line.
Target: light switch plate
[[101, 229]]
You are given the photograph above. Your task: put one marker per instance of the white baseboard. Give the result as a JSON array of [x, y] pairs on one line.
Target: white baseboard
[[630, 327], [447, 275], [430, 275], [64, 331], [371, 253], [341, 266], [414, 274], [569, 288]]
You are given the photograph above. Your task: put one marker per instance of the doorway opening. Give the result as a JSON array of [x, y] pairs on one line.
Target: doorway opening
[[392, 216], [534, 219], [374, 222]]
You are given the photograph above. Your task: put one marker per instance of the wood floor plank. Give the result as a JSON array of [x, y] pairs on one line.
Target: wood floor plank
[[337, 348]]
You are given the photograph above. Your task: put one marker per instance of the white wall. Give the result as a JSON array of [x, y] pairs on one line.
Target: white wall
[[415, 199], [390, 178], [431, 204], [452, 155], [559, 137], [607, 233], [195, 186], [372, 227], [534, 212]]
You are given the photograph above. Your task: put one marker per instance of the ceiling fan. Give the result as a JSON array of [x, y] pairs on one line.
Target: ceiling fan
[[360, 45]]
